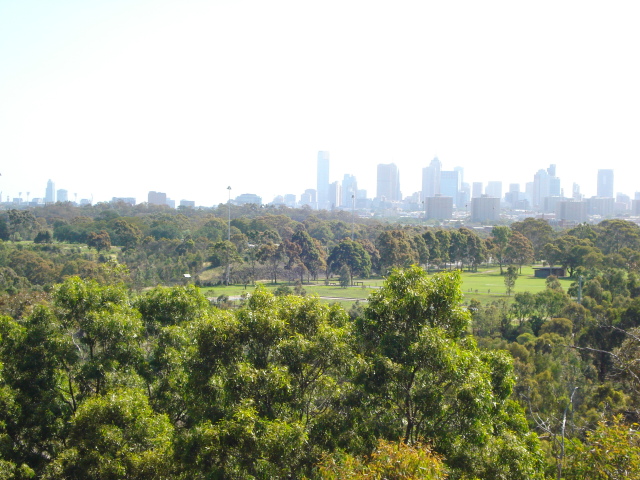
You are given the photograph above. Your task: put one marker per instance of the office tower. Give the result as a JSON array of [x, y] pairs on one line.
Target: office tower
[[309, 198], [431, 179], [450, 184], [512, 197], [576, 195], [349, 190], [388, 183], [476, 190], [335, 195], [572, 211], [63, 195], [439, 207], [157, 198], [541, 186], [494, 189], [464, 195], [290, 200], [485, 209], [605, 183], [323, 180], [50, 196], [249, 198]]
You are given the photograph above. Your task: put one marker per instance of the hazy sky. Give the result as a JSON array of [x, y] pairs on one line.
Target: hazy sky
[[119, 97]]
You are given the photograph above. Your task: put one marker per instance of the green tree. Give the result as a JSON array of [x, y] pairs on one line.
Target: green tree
[[114, 436], [350, 254], [501, 235], [510, 278], [99, 240], [425, 380]]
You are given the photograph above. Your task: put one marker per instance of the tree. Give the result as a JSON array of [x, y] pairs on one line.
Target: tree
[[612, 451], [389, 461], [350, 254], [271, 255], [396, 250], [510, 278], [43, 236], [501, 236], [425, 380], [115, 436], [538, 231], [519, 250], [99, 240], [311, 254]]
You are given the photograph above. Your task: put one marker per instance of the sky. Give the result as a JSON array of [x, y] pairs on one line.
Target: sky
[[119, 97]]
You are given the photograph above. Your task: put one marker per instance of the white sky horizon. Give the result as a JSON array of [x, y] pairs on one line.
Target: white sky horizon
[[116, 98]]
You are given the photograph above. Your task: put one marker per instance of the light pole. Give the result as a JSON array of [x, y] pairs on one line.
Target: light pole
[[353, 210], [228, 233]]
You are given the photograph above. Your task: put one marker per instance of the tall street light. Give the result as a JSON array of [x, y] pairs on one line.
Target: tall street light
[[228, 233]]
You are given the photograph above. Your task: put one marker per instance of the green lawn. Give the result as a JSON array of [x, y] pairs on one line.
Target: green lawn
[[486, 285]]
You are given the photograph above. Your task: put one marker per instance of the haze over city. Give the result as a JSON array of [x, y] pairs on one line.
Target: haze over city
[[117, 98]]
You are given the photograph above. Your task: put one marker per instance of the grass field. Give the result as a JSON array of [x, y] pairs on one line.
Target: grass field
[[486, 285]]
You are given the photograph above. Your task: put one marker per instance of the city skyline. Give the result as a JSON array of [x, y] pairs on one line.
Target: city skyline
[[122, 97]]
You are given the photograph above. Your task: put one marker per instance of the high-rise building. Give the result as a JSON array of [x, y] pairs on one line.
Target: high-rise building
[[50, 196], [450, 183], [431, 179], [349, 190], [476, 190], [63, 195], [605, 183], [439, 207], [388, 183], [485, 209], [541, 187], [335, 195], [494, 189], [157, 198], [323, 180]]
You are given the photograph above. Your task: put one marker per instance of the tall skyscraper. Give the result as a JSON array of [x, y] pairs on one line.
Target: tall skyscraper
[[450, 183], [388, 183], [50, 196], [323, 180], [63, 195], [349, 190], [494, 189], [605, 183], [476, 190], [431, 179]]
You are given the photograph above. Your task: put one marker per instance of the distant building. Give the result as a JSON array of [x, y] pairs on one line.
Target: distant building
[[309, 198], [439, 208], [572, 211], [603, 207], [247, 198], [476, 190], [323, 180], [450, 183], [388, 183], [605, 183], [188, 203], [494, 189], [127, 200], [485, 209], [63, 195], [431, 179], [157, 198], [50, 195], [349, 190], [290, 200], [635, 207], [335, 195]]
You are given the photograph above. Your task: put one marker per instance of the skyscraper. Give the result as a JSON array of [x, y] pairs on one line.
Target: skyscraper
[[431, 178], [388, 183], [450, 183], [323, 180], [349, 190], [605, 183], [50, 196]]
